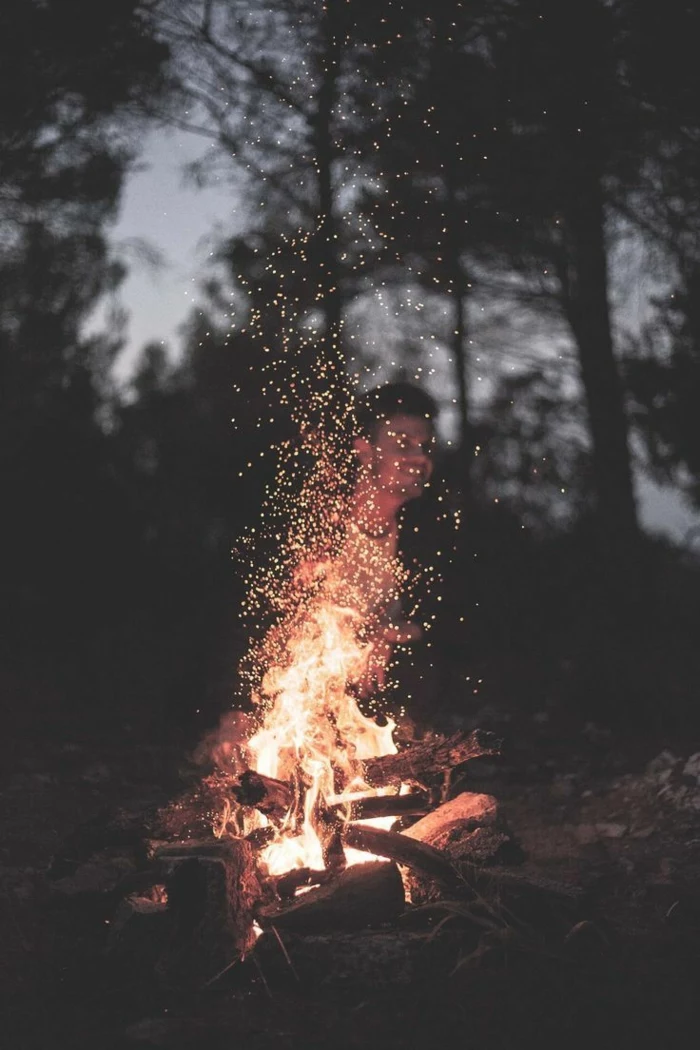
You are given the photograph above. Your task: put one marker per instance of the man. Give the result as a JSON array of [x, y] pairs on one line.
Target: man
[[394, 446]]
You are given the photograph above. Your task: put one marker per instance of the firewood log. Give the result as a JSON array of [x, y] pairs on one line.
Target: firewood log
[[364, 895], [422, 762], [530, 895], [286, 885], [468, 830], [464, 813], [398, 847], [274, 798], [211, 897], [370, 806]]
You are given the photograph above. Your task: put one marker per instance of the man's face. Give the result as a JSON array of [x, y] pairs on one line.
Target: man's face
[[400, 455]]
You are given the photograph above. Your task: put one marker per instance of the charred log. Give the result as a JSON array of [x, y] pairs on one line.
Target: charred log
[[211, 897], [287, 885], [413, 804], [261, 837], [420, 763], [365, 895], [468, 830], [274, 798], [401, 849]]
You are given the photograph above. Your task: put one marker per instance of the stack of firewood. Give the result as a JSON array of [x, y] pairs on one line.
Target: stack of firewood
[[205, 900]]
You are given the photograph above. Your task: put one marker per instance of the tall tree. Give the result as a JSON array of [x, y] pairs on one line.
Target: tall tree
[[557, 76], [71, 79]]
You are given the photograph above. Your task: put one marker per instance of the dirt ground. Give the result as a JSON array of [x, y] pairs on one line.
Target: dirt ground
[[617, 817]]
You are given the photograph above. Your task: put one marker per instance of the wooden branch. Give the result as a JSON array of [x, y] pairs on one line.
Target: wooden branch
[[394, 846], [371, 806], [528, 895], [423, 761]]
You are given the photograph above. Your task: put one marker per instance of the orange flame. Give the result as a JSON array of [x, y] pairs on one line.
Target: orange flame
[[313, 728]]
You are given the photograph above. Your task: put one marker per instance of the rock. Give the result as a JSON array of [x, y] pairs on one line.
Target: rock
[[564, 786], [611, 830], [138, 932], [692, 767], [101, 874], [41, 780], [155, 1031], [97, 773], [368, 959], [585, 834], [660, 768], [642, 832]]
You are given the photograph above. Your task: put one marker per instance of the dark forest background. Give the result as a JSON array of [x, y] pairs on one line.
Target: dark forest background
[[490, 159]]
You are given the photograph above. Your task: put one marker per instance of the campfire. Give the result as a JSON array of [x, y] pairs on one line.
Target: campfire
[[311, 818], [314, 811], [317, 769]]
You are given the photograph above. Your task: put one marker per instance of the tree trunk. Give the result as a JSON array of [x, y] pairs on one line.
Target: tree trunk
[[458, 286], [587, 309], [327, 224]]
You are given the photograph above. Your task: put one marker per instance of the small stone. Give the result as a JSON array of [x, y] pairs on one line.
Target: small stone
[[643, 832], [595, 733], [661, 767], [611, 830], [138, 932], [564, 786], [692, 767], [585, 833], [99, 875], [41, 780], [97, 773], [157, 1031]]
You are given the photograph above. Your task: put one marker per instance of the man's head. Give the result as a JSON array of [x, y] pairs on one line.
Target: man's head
[[396, 438]]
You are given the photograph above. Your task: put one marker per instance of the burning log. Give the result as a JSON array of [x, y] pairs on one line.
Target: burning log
[[468, 830], [370, 806], [421, 762], [418, 764], [364, 895], [287, 885], [528, 896], [464, 813], [398, 847], [329, 830], [272, 797]]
